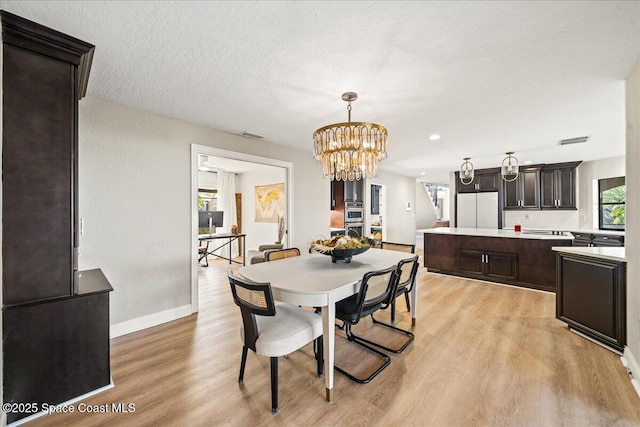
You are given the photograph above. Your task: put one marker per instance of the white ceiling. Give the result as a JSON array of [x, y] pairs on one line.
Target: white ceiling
[[489, 77]]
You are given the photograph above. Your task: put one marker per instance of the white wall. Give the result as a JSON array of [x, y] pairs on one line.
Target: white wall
[[426, 216], [589, 174], [259, 233], [632, 235], [134, 195], [399, 224]]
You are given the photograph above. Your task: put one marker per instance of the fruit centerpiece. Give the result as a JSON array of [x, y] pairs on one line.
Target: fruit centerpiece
[[342, 247]]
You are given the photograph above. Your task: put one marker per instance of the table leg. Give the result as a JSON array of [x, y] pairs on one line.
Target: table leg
[[414, 303], [328, 340]]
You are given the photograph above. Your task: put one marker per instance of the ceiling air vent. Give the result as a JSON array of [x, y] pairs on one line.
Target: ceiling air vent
[[578, 140], [251, 135]]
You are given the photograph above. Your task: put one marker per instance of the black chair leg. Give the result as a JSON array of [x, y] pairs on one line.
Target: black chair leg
[[393, 311], [406, 298], [242, 363], [402, 331], [318, 347], [274, 385], [359, 341]]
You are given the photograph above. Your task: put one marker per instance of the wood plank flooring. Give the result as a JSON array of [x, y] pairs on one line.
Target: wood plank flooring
[[484, 355]]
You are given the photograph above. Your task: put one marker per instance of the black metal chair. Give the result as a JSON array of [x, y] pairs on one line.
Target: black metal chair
[[405, 277], [273, 330], [401, 247], [376, 288]]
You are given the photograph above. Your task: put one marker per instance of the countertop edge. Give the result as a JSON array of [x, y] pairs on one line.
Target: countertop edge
[[612, 254]]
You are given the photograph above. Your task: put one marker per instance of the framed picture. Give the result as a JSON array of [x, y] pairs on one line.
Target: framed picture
[[269, 202]]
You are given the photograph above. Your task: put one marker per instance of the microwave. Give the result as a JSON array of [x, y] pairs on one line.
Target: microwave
[[353, 212]]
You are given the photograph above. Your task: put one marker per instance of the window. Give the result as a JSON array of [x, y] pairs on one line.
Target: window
[[611, 203], [207, 201]]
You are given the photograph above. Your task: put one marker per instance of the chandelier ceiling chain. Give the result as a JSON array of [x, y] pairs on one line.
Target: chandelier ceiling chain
[[350, 151]]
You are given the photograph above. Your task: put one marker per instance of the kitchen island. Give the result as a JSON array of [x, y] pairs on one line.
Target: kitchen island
[[503, 256]]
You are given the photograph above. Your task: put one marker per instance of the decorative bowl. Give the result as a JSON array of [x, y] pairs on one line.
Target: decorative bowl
[[340, 254]]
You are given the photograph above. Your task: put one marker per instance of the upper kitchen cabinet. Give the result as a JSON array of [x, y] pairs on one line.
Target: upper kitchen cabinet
[[484, 180], [558, 186], [346, 191], [524, 191], [337, 195]]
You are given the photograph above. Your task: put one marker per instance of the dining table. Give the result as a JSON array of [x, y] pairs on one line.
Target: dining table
[[313, 280]]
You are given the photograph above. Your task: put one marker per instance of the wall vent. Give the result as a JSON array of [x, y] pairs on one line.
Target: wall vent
[[578, 140], [251, 135]]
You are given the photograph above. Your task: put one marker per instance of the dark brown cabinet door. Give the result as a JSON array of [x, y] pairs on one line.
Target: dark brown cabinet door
[[488, 181], [38, 168], [501, 265], [558, 187], [484, 180], [591, 298], [566, 188], [524, 192], [471, 262]]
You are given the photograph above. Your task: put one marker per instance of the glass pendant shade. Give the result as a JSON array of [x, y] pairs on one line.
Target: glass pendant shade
[[466, 171], [510, 168], [350, 151]]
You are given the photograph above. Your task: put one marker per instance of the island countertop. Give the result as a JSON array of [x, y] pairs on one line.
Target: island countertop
[[610, 253], [489, 232]]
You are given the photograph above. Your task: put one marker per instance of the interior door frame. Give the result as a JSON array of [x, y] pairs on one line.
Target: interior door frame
[[217, 152]]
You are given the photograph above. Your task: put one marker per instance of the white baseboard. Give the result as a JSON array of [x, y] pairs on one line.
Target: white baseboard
[[633, 368], [63, 404], [149, 321]]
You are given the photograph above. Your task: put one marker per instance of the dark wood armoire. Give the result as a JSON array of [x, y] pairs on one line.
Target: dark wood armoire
[[55, 330]]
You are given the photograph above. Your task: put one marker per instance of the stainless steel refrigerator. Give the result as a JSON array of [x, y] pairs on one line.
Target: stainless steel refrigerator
[[477, 210]]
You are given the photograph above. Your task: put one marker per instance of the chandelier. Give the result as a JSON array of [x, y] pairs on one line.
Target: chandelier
[[509, 169], [350, 151]]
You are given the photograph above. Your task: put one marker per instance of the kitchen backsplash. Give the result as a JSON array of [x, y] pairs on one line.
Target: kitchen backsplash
[[557, 220]]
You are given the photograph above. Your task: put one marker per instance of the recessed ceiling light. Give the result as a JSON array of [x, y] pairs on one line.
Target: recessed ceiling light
[[423, 173], [434, 137]]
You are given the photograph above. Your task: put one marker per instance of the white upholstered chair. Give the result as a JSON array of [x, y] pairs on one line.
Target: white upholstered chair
[[271, 329]]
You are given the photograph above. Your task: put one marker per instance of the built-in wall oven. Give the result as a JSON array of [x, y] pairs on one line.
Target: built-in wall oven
[[354, 229], [353, 212], [354, 218]]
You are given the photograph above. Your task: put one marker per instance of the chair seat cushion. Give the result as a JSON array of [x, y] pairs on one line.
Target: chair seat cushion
[[347, 309], [290, 329]]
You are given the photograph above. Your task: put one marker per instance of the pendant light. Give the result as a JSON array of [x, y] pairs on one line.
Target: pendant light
[[350, 150], [466, 171], [510, 169]]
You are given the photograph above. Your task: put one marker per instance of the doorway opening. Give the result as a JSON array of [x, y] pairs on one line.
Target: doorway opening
[[215, 172]]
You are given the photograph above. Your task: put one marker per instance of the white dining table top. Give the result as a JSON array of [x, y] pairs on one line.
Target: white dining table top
[[315, 274]]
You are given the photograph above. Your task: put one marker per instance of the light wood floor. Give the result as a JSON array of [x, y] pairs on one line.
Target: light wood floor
[[484, 355]]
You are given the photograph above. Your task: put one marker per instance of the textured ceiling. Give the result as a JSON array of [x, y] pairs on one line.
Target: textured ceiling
[[489, 77]]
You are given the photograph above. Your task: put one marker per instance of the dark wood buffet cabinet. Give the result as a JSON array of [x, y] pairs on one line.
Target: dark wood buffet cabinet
[[55, 325]]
